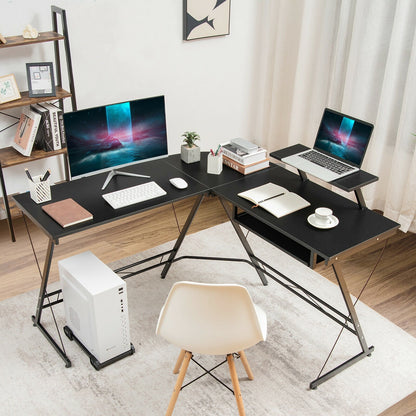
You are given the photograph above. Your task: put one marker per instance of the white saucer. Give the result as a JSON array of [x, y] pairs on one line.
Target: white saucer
[[331, 224]]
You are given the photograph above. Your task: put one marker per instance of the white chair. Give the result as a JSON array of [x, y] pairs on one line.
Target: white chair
[[214, 319]]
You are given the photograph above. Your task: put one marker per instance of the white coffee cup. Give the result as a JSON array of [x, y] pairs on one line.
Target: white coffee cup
[[323, 215]]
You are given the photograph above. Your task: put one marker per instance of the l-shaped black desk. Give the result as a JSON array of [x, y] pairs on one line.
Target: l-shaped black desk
[[358, 227]]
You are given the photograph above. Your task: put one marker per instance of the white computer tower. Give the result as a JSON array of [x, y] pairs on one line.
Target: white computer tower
[[96, 309]]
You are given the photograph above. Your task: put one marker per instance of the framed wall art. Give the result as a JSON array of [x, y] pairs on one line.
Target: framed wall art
[[205, 18], [8, 89], [40, 79]]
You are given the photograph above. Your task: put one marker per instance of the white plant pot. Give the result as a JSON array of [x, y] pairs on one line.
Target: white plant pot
[[190, 154]]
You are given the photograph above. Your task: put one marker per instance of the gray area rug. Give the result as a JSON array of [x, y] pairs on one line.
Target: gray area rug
[[34, 380]]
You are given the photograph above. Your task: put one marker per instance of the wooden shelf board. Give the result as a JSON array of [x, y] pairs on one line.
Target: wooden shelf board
[[25, 100], [11, 157], [20, 40]]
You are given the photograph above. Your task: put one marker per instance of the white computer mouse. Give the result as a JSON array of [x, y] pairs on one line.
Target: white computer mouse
[[179, 183]]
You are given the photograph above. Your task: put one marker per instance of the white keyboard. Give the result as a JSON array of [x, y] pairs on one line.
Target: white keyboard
[[134, 194]]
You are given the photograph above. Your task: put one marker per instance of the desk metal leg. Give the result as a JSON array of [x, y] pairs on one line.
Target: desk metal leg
[[365, 350], [7, 206], [41, 299], [360, 198], [181, 237], [244, 241]]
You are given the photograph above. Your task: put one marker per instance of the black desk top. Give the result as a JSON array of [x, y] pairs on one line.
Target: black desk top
[[87, 192], [198, 171], [356, 226]]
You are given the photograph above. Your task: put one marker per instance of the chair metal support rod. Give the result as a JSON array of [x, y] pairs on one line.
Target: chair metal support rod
[[209, 373]]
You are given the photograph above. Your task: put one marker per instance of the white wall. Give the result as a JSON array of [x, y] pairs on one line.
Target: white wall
[[129, 49]]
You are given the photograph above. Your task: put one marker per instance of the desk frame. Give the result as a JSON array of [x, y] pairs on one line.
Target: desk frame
[[350, 321]]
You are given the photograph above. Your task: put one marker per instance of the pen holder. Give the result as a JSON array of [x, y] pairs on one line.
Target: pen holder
[[40, 191], [214, 164]]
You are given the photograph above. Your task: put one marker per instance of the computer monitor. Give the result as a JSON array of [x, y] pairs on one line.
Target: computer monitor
[[112, 136]]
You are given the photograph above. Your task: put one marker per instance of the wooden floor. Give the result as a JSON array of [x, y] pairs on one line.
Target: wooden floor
[[391, 290]]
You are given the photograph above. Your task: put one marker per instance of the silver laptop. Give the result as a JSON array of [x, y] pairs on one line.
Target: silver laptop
[[339, 148]]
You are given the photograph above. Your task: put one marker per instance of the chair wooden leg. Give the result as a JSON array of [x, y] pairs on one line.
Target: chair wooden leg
[[179, 362], [246, 365], [178, 384], [236, 385]]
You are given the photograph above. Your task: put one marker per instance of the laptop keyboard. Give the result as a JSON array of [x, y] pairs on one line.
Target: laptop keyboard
[[327, 162]]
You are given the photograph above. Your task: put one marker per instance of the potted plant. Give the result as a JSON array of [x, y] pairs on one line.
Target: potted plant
[[190, 152]]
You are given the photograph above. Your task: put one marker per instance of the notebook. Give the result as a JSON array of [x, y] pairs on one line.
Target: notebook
[[67, 212], [339, 149], [275, 199]]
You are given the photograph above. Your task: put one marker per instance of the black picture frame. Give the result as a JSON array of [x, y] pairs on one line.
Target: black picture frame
[[201, 20], [40, 79]]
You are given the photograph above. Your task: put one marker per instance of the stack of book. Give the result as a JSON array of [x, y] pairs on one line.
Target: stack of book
[[243, 156], [41, 126]]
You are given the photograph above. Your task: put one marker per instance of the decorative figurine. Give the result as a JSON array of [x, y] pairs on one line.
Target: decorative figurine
[[29, 32]]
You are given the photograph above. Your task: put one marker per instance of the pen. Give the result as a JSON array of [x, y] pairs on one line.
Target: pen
[[28, 174], [218, 148], [212, 152], [267, 199], [46, 175]]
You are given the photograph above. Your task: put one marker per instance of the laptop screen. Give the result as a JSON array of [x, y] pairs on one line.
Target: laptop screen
[[343, 137]]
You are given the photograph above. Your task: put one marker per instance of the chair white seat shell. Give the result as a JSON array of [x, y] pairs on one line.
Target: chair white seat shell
[[213, 319]]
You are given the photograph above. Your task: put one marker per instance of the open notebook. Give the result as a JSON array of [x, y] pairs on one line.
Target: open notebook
[[275, 199]]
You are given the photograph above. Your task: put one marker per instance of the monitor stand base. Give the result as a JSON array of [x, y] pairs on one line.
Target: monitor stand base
[[113, 173]]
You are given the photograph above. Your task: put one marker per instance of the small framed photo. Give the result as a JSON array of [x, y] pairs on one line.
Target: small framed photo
[[40, 79], [205, 19], [8, 89]]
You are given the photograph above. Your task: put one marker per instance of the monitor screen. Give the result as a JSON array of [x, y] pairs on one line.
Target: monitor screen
[[115, 135], [343, 136]]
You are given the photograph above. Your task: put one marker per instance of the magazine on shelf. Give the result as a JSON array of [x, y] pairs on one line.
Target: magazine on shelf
[[236, 153], [26, 132], [245, 145], [275, 199]]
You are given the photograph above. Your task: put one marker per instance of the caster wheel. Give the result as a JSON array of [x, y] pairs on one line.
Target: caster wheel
[[68, 333]]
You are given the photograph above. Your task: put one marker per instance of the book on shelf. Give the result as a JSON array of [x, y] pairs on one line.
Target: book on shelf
[[62, 134], [245, 169], [26, 132], [275, 199], [54, 122], [67, 212], [241, 156], [43, 140]]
